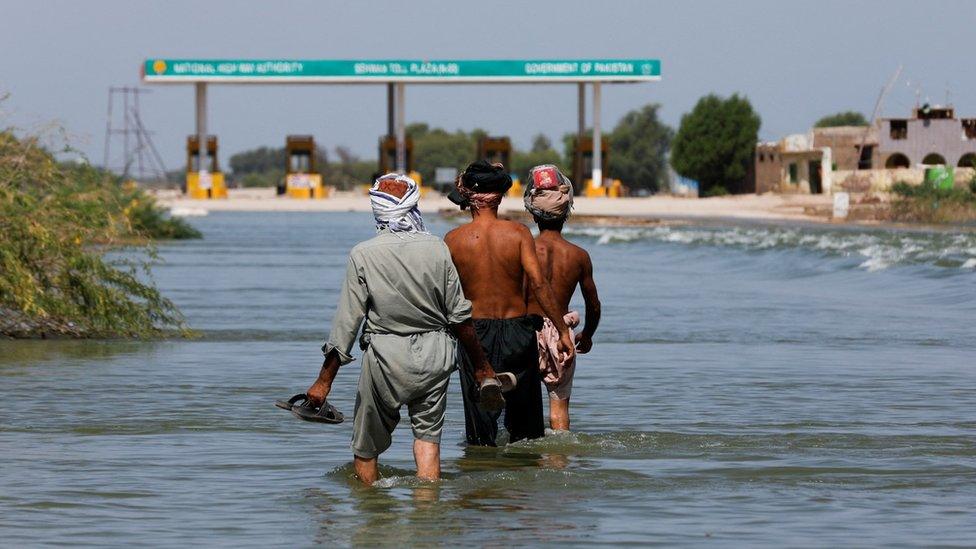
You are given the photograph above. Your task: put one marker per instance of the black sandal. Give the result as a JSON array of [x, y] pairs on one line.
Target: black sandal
[[490, 395], [326, 413], [291, 402]]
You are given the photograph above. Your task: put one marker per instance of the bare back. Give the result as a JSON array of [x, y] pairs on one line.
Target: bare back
[[488, 255], [563, 264]]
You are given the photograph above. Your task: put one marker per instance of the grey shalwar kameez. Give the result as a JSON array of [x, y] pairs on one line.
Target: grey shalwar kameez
[[407, 289]]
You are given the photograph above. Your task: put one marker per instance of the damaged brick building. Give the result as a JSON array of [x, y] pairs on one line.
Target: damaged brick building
[[811, 162]]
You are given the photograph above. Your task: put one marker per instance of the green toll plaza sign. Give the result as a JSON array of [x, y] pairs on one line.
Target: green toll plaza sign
[[365, 71]]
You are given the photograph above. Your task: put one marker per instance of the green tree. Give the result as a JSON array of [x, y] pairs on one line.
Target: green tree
[[260, 167], [348, 171], [638, 149], [569, 141], [639, 144], [436, 148], [265, 166], [541, 143], [522, 162], [269, 178], [715, 142], [846, 118], [541, 152], [259, 160]]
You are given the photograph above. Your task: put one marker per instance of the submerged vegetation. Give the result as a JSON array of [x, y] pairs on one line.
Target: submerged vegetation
[[57, 222], [927, 203]]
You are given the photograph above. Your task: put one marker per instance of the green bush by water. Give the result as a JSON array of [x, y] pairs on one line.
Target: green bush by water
[[56, 223], [928, 203], [716, 190]]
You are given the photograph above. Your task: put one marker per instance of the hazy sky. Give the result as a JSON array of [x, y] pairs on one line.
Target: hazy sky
[[794, 60]]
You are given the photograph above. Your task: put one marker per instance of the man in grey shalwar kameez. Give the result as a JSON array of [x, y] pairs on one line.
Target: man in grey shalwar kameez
[[404, 284]]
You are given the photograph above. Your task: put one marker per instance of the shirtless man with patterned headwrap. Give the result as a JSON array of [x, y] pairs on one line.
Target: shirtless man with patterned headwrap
[[496, 260], [549, 199], [403, 283]]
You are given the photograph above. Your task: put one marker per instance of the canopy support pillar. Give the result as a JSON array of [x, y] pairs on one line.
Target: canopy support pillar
[[580, 110], [401, 130], [390, 122], [201, 119], [597, 139]]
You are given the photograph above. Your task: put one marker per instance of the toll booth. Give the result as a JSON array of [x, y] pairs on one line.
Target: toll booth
[[388, 154], [388, 159], [583, 169], [495, 149], [302, 179], [209, 183], [499, 149], [583, 162]]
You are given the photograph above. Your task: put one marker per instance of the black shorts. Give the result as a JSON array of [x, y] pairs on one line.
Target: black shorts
[[511, 346]]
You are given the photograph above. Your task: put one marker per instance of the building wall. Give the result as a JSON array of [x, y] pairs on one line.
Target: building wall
[[772, 170], [844, 142], [881, 180], [942, 136], [802, 182], [768, 167]]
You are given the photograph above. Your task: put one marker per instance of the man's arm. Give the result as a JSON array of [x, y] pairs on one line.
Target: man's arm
[[323, 384], [345, 327], [584, 340], [543, 291], [464, 332]]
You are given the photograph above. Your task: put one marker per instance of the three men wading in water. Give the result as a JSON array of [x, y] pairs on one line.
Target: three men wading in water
[[486, 290]]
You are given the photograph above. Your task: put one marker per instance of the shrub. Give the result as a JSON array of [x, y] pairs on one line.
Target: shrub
[[929, 204], [56, 223], [717, 190]]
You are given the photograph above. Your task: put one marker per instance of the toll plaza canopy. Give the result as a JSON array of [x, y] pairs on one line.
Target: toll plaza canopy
[[396, 73], [434, 72]]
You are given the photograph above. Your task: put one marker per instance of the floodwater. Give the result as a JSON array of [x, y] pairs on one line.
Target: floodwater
[[749, 385]]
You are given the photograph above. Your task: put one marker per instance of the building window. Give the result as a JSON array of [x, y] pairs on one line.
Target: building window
[[967, 160], [793, 173], [762, 157], [933, 159], [898, 129], [969, 128]]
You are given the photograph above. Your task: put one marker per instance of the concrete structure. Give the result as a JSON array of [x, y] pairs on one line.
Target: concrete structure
[[395, 74], [767, 167], [845, 142], [791, 165], [896, 149], [932, 136], [881, 180]]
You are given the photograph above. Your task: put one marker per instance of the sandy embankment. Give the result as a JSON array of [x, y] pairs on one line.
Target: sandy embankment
[[767, 207]]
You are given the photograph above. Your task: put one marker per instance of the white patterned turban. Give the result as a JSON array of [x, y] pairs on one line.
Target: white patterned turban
[[397, 214]]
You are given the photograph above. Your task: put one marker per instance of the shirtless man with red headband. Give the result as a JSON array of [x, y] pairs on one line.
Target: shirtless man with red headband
[[549, 199]]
